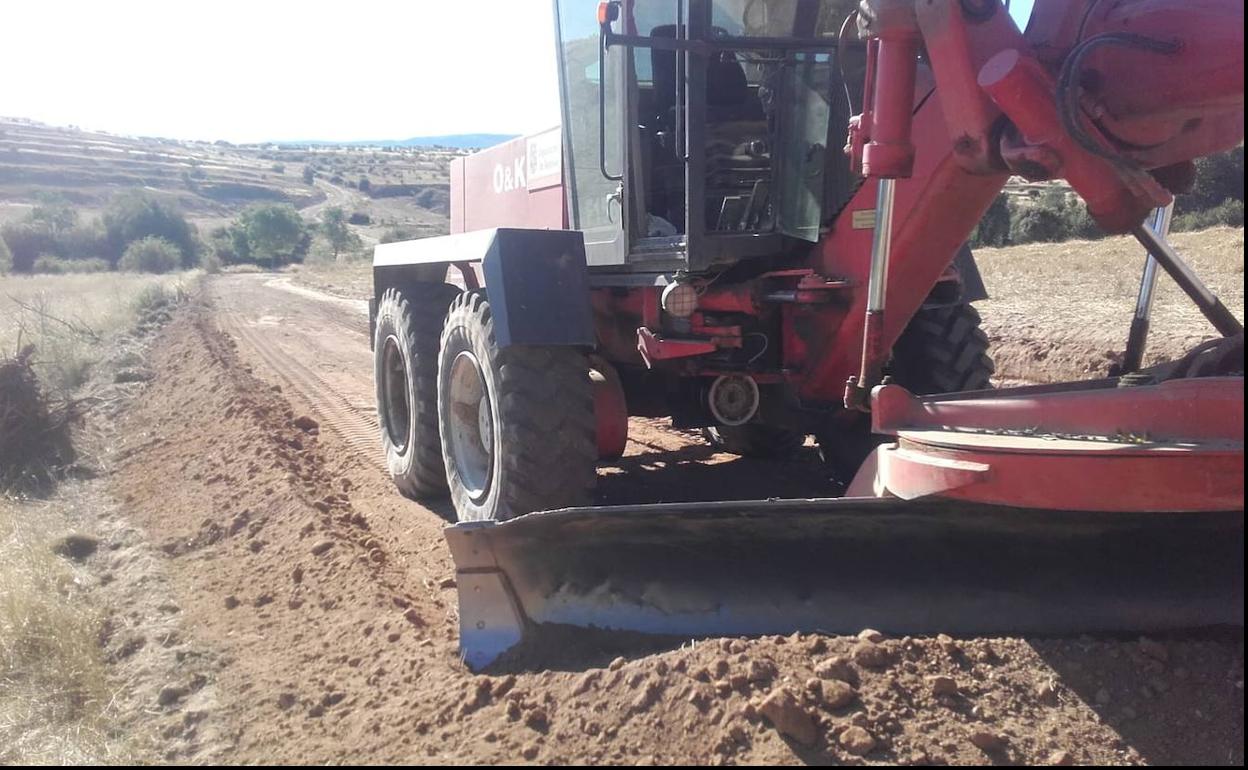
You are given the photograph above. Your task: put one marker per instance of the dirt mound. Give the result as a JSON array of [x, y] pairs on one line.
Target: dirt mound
[[34, 433], [329, 602]]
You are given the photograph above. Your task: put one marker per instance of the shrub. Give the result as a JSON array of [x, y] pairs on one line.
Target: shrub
[[275, 234], [1219, 179], [309, 174], [6, 258], [359, 218], [278, 168], [26, 241], [1037, 223], [135, 216], [50, 263], [1230, 213], [151, 254], [994, 228], [364, 184], [395, 234]]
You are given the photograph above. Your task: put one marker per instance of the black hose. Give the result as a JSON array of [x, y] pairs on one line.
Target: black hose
[[1068, 88]]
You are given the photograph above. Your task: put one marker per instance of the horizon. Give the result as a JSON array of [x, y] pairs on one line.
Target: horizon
[[141, 82]]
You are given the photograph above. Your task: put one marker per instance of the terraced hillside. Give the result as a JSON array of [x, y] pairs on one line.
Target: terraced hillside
[[212, 181]]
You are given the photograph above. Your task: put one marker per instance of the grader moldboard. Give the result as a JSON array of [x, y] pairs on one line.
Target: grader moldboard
[[693, 243]]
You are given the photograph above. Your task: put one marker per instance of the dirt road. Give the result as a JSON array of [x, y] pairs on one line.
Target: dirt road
[[327, 603]]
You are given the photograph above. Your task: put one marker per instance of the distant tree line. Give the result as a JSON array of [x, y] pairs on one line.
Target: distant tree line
[[138, 233], [1216, 198], [52, 238]]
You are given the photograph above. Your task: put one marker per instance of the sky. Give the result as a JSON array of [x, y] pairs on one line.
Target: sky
[[284, 70]]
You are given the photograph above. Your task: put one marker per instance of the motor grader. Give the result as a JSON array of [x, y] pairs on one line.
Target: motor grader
[[752, 220]]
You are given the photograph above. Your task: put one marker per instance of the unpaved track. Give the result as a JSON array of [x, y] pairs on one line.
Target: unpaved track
[[329, 602]]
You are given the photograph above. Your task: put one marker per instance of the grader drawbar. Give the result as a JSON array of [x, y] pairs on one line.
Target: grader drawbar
[[691, 243]]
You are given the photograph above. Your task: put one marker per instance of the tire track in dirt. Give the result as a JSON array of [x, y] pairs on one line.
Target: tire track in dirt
[[354, 424]]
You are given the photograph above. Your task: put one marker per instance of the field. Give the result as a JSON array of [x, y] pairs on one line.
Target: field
[[255, 591], [211, 182]]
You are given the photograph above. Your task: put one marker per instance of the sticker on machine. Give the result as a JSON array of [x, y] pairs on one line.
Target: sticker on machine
[[544, 164], [862, 219]]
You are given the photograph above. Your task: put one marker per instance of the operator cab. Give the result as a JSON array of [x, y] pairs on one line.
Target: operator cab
[[699, 133]]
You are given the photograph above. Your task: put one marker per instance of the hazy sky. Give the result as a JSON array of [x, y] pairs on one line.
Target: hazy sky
[[280, 69]]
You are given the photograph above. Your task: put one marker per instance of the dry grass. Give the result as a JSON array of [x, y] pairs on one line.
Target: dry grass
[[55, 697], [1062, 310], [54, 691], [352, 279], [68, 317]]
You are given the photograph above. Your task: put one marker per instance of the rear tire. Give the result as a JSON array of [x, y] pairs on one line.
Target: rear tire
[[942, 350], [765, 442], [405, 374], [517, 424]]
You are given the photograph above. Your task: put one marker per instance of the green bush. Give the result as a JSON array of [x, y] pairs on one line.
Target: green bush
[[151, 254], [275, 234], [26, 241], [309, 174], [1037, 223], [6, 258], [1230, 213], [135, 216], [994, 227], [50, 263], [1219, 180], [84, 241]]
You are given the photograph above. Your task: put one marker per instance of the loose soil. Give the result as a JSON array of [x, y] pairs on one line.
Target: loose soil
[[321, 605]]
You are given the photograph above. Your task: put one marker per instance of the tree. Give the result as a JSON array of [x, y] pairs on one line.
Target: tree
[[54, 211], [136, 216], [26, 242], [994, 228], [6, 258], [339, 234], [230, 245], [309, 174], [1036, 223], [151, 254], [276, 234]]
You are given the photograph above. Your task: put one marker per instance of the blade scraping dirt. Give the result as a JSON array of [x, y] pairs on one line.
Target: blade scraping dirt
[[838, 565]]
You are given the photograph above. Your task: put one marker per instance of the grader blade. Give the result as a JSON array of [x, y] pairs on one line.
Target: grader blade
[[916, 567]]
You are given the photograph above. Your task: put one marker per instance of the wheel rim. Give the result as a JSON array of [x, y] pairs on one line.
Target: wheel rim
[[397, 417], [471, 426]]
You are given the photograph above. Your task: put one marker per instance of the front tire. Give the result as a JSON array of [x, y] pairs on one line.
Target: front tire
[[516, 424], [405, 373], [942, 350], [765, 442]]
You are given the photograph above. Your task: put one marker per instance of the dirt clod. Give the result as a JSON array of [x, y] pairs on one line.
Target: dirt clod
[[782, 708], [988, 742], [857, 741], [871, 655], [943, 686]]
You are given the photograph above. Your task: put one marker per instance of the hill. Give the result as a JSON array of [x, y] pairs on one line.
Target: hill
[[211, 182]]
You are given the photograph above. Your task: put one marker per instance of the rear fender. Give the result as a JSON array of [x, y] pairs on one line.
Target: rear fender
[[536, 280]]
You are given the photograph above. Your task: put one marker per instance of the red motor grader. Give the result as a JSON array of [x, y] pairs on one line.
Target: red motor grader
[[752, 220]]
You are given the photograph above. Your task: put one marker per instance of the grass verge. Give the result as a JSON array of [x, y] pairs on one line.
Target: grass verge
[[68, 317], [54, 689]]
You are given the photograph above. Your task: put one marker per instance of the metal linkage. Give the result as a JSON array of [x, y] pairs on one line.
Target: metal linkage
[[1159, 223], [1222, 319]]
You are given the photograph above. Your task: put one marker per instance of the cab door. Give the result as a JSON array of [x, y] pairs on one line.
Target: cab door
[[591, 82]]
